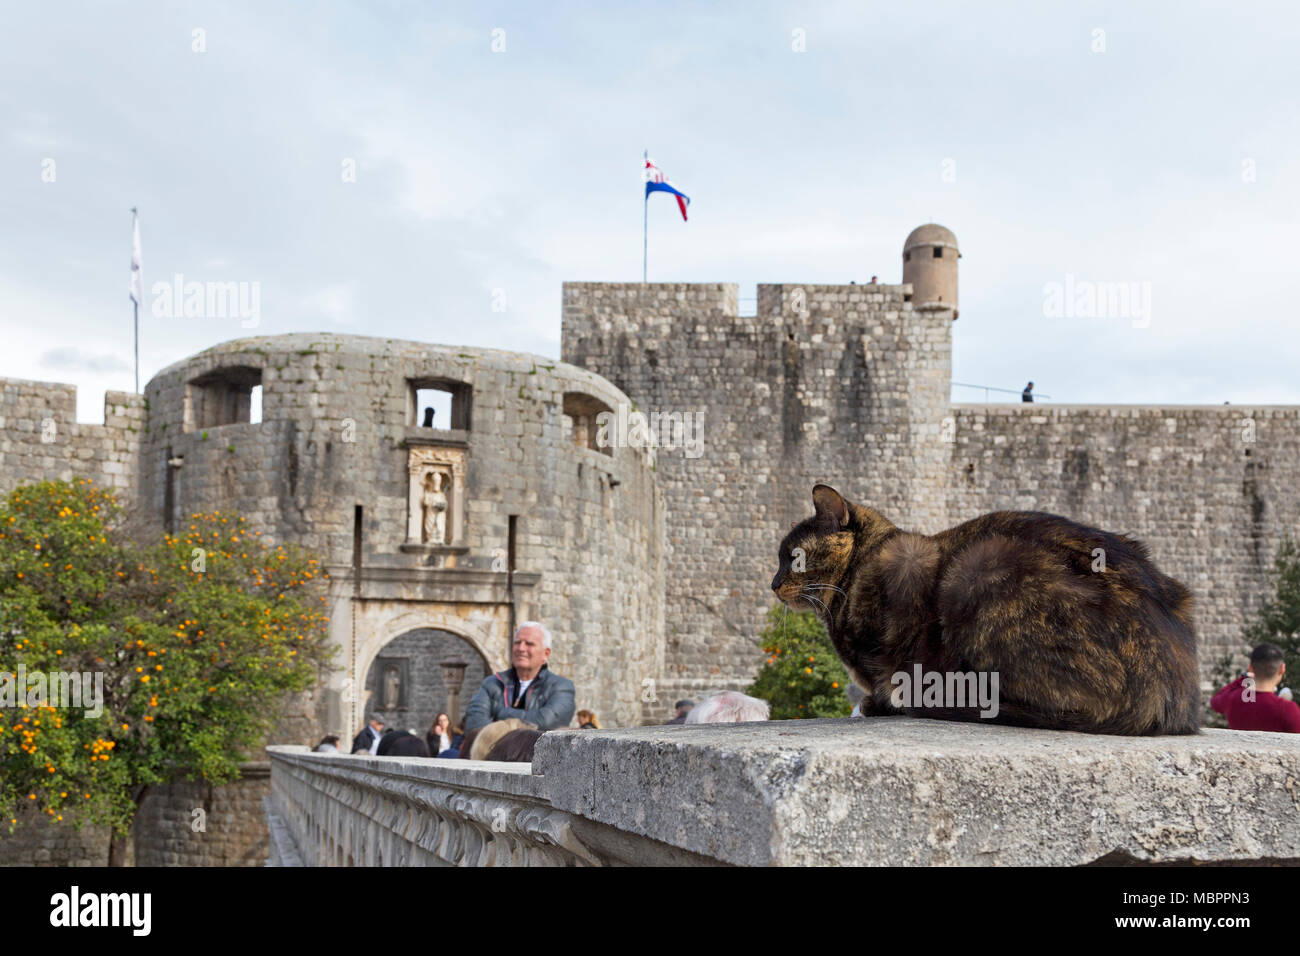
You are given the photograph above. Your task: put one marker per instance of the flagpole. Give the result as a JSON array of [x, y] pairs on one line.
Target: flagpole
[[134, 216], [645, 220]]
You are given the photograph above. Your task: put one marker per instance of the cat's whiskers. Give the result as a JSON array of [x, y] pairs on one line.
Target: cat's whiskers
[[815, 600], [828, 587]]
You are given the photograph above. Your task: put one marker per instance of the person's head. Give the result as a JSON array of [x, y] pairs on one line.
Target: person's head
[[587, 720], [331, 739], [376, 723], [408, 745], [683, 707], [440, 723], [1268, 666], [1029, 386], [489, 736], [728, 707], [530, 649]]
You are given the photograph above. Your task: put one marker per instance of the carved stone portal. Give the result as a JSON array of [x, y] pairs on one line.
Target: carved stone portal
[[436, 511]]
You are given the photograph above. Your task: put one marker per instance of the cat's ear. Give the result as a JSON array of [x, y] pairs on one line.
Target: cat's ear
[[829, 502]]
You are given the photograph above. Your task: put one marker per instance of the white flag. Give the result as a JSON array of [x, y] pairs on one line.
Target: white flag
[[137, 279]]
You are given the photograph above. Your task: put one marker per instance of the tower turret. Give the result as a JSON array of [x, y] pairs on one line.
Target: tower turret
[[930, 257]]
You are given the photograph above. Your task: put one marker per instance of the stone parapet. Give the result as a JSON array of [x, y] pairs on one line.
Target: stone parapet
[[882, 791], [343, 810]]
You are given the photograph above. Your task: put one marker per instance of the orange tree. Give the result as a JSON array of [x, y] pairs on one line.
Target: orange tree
[[801, 675], [197, 638]]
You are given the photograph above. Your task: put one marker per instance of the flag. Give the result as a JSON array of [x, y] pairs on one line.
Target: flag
[[656, 182], [137, 278]]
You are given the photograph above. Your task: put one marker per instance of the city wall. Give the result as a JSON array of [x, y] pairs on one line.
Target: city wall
[[850, 385]]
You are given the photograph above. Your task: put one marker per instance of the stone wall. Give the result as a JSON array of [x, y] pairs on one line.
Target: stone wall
[[341, 810], [336, 432], [1210, 505], [39, 841], [229, 830], [842, 384], [40, 439], [858, 792], [849, 385]]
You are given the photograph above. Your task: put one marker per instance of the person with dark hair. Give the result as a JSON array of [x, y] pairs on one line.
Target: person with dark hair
[[439, 736], [1251, 701], [515, 747], [1028, 394], [402, 743], [467, 743], [329, 744], [408, 745], [683, 707], [370, 735]]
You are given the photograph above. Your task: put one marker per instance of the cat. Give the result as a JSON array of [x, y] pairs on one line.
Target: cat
[[1096, 641]]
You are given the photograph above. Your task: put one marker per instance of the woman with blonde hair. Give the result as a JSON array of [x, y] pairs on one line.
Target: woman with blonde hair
[[587, 720]]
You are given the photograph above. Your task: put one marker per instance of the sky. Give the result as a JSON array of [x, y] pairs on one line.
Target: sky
[[435, 172]]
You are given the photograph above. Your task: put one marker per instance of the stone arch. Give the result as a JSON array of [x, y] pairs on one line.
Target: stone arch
[[431, 618], [423, 640]]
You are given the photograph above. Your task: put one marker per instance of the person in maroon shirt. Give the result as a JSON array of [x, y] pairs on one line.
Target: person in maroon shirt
[[1251, 702]]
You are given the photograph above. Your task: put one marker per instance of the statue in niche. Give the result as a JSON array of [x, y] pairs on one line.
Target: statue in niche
[[433, 502], [392, 687]]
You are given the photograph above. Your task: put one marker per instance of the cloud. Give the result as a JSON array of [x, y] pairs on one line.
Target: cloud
[[69, 359], [337, 303]]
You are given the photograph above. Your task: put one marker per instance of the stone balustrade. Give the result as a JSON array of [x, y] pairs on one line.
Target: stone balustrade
[[847, 792]]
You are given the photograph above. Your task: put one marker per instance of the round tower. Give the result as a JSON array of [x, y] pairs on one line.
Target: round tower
[[930, 264]]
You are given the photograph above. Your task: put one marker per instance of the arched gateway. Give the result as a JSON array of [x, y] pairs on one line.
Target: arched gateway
[[421, 673]]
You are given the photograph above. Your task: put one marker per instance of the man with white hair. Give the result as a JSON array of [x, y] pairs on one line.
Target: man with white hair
[[728, 707], [528, 690]]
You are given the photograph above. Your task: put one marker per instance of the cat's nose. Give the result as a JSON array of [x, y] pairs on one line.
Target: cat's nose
[[776, 581]]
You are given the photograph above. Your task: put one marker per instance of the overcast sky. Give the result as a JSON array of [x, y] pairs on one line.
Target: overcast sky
[[1151, 143]]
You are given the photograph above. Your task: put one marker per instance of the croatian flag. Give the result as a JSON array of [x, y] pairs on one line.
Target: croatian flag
[[656, 182]]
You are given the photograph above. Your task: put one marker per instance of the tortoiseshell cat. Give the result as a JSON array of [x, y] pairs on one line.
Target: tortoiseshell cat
[[1013, 592]]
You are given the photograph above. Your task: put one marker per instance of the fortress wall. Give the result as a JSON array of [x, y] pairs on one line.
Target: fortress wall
[[1211, 506], [40, 439], [844, 384], [296, 477]]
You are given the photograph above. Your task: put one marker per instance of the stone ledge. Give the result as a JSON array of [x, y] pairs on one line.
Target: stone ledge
[[889, 791], [328, 809]]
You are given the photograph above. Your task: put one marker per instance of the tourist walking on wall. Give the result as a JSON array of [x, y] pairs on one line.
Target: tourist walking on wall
[[528, 690], [1028, 394]]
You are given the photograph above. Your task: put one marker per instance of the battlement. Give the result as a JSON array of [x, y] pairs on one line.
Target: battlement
[[663, 302], [41, 439]]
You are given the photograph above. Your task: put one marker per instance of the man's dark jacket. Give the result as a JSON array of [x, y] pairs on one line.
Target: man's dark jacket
[[363, 740], [548, 702]]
